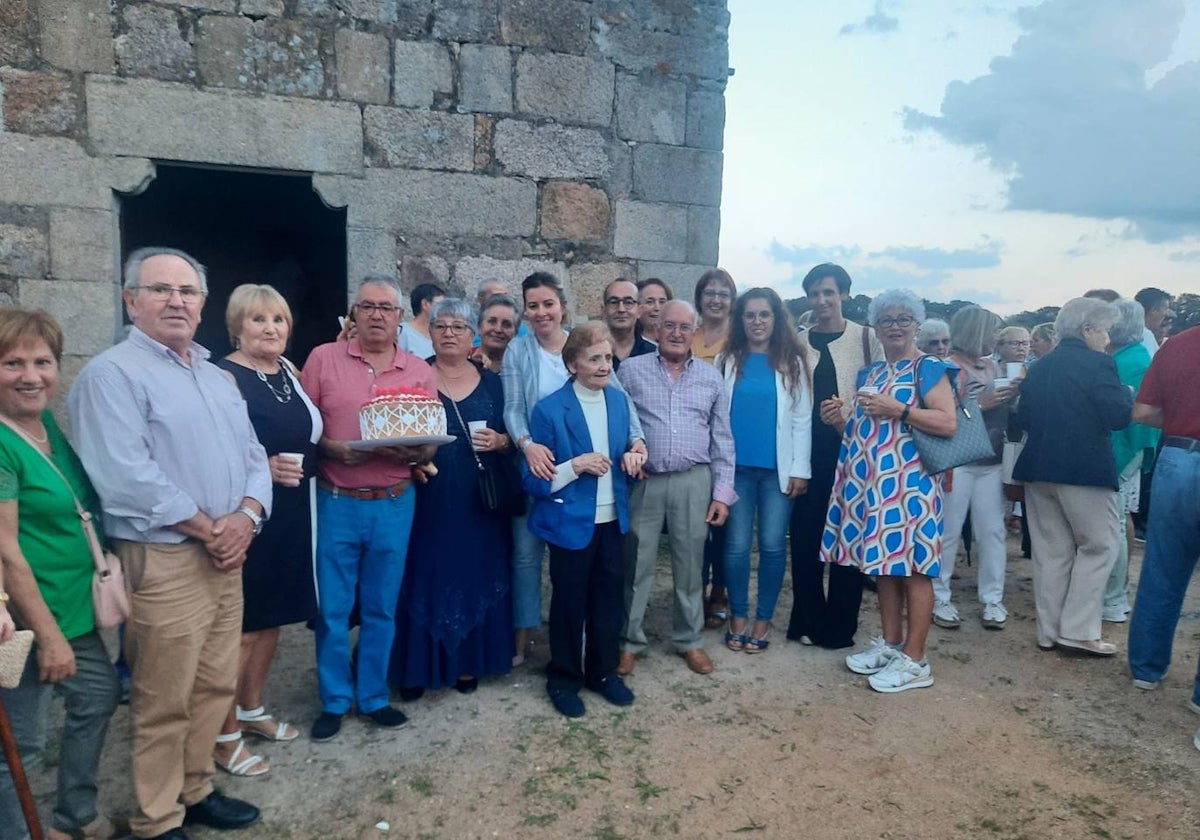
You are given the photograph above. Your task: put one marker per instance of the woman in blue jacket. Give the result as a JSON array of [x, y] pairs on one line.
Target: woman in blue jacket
[[583, 513]]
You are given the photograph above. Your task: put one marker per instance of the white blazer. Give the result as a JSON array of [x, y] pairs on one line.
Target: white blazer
[[793, 424]]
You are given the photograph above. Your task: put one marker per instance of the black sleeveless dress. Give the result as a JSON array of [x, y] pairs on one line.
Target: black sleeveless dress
[[277, 580]]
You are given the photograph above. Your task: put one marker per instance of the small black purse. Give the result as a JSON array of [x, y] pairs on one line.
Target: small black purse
[[499, 481]]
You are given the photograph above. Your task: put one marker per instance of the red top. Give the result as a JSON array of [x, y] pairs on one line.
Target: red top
[[1173, 384], [339, 381]]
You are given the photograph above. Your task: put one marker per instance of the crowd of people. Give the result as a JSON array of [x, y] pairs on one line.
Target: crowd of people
[[708, 421]]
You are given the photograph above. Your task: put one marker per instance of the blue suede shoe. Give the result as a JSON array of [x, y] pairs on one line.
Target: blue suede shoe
[[566, 703], [613, 689]]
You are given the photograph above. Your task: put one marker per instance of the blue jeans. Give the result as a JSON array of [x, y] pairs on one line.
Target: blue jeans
[[758, 491], [90, 697], [361, 549], [1172, 548], [528, 553]]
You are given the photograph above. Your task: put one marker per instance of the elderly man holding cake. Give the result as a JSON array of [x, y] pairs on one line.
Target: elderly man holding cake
[[365, 501]]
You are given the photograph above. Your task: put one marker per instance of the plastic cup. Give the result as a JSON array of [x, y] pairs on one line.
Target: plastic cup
[[298, 457], [474, 426], [1002, 382], [1014, 369], [868, 389]]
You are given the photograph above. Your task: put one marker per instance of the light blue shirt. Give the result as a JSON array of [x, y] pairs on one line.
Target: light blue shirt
[[162, 439]]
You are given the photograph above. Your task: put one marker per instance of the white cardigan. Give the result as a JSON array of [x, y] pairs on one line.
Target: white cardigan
[[793, 424]]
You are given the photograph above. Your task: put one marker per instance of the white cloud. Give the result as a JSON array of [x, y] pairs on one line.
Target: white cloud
[[1070, 118], [878, 22]]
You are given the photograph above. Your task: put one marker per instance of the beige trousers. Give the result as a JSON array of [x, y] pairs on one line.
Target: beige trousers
[[182, 641], [1074, 535], [681, 500]]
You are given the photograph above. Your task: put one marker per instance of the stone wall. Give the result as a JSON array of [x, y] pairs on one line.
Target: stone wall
[[466, 138]]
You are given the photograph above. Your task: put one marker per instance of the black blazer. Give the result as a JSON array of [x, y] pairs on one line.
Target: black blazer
[[1070, 401]]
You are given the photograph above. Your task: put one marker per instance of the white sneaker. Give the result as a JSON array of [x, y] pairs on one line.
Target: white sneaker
[[1115, 615], [1194, 706], [944, 615], [901, 674], [1146, 685], [874, 659], [994, 616], [1196, 739]]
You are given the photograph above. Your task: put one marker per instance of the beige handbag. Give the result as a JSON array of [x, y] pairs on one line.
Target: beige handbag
[[13, 654]]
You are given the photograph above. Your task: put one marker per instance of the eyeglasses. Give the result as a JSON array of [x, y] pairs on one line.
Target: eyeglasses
[[627, 302], [671, 326], [758, 316], [939, 341], [1015, 343], [713, 294], [369, 309], [902, 321], [162, 292], [452, 329]]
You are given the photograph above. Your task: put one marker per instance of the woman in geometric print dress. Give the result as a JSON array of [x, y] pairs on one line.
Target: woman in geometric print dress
[[885, 513]]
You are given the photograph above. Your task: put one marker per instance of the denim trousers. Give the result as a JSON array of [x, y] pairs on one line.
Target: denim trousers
[[362, 546], [91, 698], [1172, 548], [758, 492], [528, 552]]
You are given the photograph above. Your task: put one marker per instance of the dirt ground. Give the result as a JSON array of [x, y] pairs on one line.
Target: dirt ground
[[1010, 743]]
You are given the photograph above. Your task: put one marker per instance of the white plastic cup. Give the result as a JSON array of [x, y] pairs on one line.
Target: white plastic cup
[[1014, 369], [868, 389], [1002, 382], [474, 426], [298, 457]]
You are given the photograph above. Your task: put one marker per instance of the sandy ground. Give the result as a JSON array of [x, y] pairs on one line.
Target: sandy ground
[[1010, 743]]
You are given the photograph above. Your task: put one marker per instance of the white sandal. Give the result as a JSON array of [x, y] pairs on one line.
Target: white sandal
[[280, 732], [253, 765]]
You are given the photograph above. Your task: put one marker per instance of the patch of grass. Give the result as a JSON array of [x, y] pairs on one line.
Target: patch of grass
[[422, 784], [605, 830], [539, 819], [753, 825], [646, 790], [387, 796]]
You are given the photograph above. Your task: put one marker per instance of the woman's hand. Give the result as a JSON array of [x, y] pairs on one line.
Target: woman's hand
[[880, 405], [593, 463], [831, 413], [541, 461], [998, 397], [633, 463], [285, 471], [7, 627], [797, 487], [56, 660], [489, 440]]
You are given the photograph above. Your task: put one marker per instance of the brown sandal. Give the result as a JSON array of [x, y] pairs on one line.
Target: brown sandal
[[716, 610]]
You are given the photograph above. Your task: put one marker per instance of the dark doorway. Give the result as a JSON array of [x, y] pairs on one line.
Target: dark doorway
[[248, 227]]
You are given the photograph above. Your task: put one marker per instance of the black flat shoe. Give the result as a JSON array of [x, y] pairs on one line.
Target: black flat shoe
[[466, 685], [219, 811], [326, 726], [173, 834], [411, 693], [387, 717]]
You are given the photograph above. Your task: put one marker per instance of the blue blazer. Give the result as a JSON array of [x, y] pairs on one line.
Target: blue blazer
[[568, 518]]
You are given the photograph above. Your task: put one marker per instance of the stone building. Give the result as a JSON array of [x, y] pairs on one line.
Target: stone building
[[308, 142]]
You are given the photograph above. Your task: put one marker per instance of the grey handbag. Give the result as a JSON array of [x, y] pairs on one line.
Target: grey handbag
[[969, 443]]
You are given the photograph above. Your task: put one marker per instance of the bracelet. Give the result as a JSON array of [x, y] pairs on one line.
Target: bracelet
[[524, 444], [904, 415]]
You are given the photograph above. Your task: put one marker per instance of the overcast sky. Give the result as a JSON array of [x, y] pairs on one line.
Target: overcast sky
[[1014, 154]]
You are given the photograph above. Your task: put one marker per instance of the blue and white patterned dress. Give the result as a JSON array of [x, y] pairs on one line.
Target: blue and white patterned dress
[[885, 513]]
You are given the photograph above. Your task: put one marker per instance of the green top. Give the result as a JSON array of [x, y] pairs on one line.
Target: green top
[[49, 531], [1133, 360]]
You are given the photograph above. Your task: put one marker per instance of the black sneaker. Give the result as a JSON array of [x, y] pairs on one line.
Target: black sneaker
[[613, 689], [387, 717], [326, 726], [223, 812]]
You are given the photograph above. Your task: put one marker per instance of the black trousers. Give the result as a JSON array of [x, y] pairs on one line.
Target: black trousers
[[587, 603], [829, 620]]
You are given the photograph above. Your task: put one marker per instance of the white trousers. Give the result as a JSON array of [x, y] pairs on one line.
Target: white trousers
[[978, 490]]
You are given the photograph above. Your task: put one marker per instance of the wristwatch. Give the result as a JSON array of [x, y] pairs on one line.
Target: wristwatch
[[254, 517], [4, 599]]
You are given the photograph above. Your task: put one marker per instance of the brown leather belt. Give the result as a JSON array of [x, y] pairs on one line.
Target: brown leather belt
[[368, 494]]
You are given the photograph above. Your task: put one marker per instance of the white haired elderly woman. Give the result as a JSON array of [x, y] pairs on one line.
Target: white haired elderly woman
[[1070, 402], [1129, 446], [933, 337], [885, 514]]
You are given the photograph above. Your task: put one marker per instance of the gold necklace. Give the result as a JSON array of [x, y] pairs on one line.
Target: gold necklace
[[45, 438]]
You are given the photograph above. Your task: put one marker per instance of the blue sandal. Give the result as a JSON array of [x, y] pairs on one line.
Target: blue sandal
[[753, 645], [736, 641]]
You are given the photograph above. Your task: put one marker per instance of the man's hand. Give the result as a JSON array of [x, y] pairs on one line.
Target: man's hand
[[56, 660], [338, 450], [718, 512], [410, 455], [540, 460], [797, 487], [231, 537]]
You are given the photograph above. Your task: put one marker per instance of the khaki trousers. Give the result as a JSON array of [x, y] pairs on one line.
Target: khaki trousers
[[1075, 534], [680, 500], [182, 641]]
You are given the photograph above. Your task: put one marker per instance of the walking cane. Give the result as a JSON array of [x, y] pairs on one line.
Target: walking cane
[[24, 794]]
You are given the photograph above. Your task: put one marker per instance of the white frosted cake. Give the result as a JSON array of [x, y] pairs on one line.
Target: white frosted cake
[[397, 413]]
